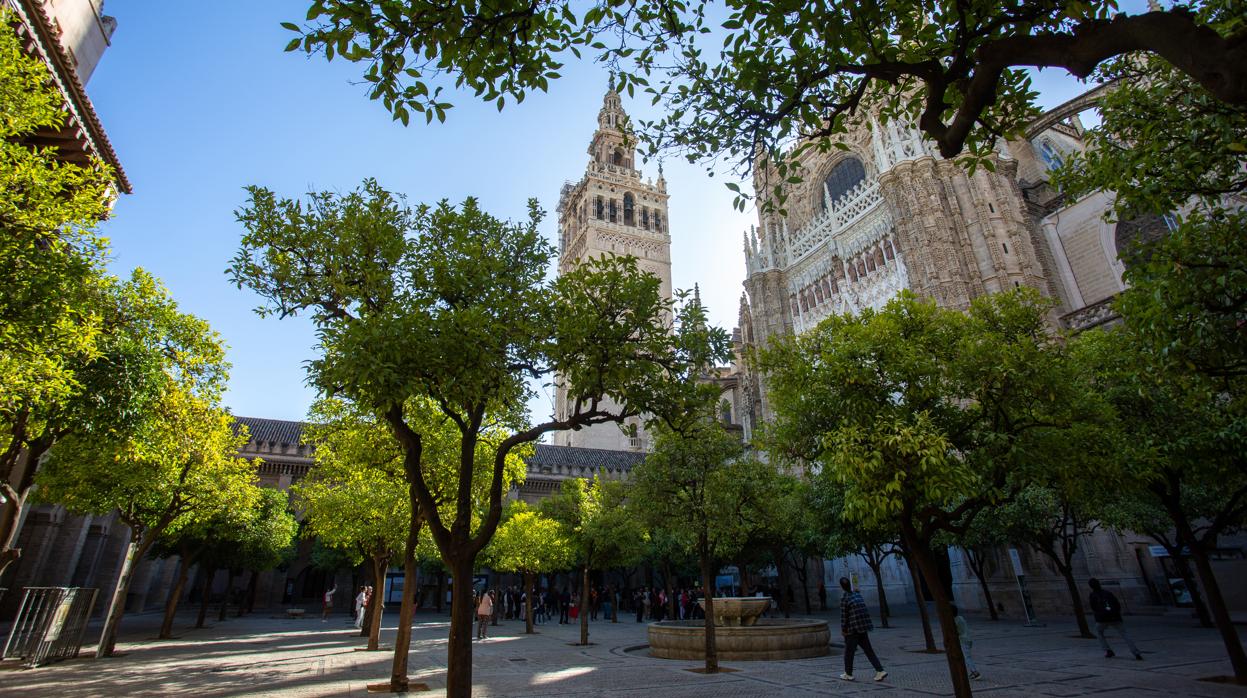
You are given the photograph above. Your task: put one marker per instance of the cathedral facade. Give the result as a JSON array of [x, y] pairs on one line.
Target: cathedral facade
[[612, 210], [882, 212]]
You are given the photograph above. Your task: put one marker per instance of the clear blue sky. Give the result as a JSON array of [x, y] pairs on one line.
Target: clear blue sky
[[199, 100]]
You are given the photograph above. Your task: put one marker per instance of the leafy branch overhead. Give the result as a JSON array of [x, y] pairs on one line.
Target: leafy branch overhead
[[749, 77]]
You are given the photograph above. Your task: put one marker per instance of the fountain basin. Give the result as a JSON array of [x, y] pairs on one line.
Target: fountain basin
[[737, 610], [766, 639]]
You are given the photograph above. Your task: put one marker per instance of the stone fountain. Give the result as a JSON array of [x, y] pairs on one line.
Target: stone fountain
[[741, 634]]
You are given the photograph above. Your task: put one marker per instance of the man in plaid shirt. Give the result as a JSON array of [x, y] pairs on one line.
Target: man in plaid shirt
[[855, 625]]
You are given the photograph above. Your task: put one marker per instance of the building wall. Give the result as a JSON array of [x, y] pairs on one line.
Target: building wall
[[86, 31]]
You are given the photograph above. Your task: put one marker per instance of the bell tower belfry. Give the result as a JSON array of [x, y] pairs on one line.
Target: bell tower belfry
[[612, 211]]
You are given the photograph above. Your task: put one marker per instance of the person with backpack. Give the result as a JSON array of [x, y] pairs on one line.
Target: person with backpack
[[1107, 612]]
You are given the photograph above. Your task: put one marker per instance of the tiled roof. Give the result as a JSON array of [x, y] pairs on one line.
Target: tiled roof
[[576, 457], [279, 431], [60, 61]]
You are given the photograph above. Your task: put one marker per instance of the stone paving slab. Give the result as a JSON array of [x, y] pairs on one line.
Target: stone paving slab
[[262, 655]]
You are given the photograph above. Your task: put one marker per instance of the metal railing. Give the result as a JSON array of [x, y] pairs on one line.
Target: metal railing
[[49, 624]]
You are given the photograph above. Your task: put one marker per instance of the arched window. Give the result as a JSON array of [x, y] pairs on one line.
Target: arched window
[[617, 157], [645, 218], [629, 210], [657, 221], [1051, 154], [844, 176], [614, 211], [599, 208]]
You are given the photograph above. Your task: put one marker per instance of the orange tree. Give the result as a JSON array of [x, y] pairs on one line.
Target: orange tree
[[928, 416], [451, 305]]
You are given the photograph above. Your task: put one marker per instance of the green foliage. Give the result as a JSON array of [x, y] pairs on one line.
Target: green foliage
[[1167, 146], [701, 487], [450, 305], [924, 415], [50, 258], [354, 498], [267, 538], [529, 541], [1183, 438], [601, 530], [751, 77], [837, 534], [181, 463]]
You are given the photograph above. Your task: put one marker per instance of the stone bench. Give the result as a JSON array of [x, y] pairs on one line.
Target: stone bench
[[295, 612]]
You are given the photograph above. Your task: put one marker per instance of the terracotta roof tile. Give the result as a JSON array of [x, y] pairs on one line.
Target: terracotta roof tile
[[278, 431]]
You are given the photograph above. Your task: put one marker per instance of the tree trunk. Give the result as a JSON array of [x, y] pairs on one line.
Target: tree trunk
[[584, 606], [922, 603], [666, 582], [803, 577], [707, 581], [1212, 590], [373, 613], [406, 611], [782, 572], [15, 494], [943, 606], [975, 561], [117, 607], [203, 602], [10, 515], [249, 597], [229, 590], [1197, 596], [175, 595], [1080, 612], [530, 583], [459, 651], [884, 611]]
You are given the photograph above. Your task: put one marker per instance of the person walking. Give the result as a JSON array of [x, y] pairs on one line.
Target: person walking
[[565, 602], [967, 642], [855, 625], [1107, 611], [328, 605], [484, 611]]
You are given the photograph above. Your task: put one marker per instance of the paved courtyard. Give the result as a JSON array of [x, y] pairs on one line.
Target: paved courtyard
[[266, 656]]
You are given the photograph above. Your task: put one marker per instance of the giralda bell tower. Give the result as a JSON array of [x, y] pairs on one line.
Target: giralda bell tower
[[612, 211]]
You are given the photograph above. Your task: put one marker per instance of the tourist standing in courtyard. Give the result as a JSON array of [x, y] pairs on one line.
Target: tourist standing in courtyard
[[328, 605], [1107, 611], [484, 611], [361, 600], [967, 643], [855, 625]]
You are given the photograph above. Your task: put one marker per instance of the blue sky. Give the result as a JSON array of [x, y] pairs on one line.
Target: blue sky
[[199, 100]]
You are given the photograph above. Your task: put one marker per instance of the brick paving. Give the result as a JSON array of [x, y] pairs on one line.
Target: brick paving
[[262, 655]]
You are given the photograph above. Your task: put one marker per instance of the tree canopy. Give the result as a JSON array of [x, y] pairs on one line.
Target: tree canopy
[[748, 76], [926, 416], [450, 306]]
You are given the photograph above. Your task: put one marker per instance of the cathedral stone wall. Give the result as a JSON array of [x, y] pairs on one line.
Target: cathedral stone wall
[[955, 236]]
